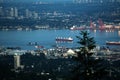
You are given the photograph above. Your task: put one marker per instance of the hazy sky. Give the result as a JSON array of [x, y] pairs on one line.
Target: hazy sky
[[45, 0]]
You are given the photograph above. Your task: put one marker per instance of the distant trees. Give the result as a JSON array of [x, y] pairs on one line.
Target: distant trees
[[88, 68]]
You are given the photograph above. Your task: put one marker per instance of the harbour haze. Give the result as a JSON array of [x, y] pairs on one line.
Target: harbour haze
[[46, 38], [50, 40]]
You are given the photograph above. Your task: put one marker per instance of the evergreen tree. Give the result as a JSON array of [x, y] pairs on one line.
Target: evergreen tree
[[88, 68]]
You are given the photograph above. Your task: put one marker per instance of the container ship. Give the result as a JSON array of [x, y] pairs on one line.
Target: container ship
[[112, 43]]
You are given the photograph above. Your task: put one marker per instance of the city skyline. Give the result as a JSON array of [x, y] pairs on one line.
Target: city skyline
[[48, 39]]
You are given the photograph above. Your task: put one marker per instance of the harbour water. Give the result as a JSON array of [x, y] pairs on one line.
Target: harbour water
[[46, 38]]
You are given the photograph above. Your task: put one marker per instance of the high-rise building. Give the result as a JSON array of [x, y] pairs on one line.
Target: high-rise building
[[28, 13], [15, 12], [12, 12], [1, 11], [16, 61], [35, 15]]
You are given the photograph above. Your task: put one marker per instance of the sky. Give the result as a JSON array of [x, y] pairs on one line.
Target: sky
[[44, 0]]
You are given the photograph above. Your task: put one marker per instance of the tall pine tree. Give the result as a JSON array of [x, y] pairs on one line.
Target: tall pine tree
[[88, 68]]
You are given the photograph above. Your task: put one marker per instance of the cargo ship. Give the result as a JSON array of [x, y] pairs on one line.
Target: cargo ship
[[61, 39], [77, 28], [112, 43]]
